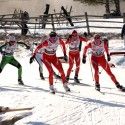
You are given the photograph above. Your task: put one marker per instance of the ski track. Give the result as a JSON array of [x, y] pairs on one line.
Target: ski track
[[82, 106], [72, 108]]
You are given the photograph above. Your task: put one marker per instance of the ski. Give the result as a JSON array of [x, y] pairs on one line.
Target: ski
[[7, 109], [122, 90], [62, 94], [103, 93]]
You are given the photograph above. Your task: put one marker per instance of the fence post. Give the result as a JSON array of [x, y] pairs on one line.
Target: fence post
[[123, 26], [87, 22], [52, 22], [123, 17]]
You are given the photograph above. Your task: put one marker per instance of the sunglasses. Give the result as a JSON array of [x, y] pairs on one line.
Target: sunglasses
[[12, 41], [97, 37], [74, 35], [53, 38]]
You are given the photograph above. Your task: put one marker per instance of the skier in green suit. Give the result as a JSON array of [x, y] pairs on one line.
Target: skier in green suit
[[7, 50]]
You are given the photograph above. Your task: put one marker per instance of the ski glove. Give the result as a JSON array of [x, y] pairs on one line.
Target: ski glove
[[28, 47], [32, 59], [85, 34], [65, 57], [2, 52], [84, 59], [108, 57], [70, 36]]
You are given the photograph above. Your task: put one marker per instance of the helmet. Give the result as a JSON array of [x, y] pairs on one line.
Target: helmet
[[53, 34]]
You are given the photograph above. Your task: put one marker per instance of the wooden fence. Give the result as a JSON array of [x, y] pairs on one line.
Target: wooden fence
[[58, 21]]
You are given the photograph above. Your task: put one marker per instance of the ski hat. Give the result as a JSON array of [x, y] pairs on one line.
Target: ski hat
[[53, 34], [11, 38], [53, 37], [96, 36], [74, 32]]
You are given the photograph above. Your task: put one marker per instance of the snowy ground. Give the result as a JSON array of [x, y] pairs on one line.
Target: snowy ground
[[69, 28], [82, 106]]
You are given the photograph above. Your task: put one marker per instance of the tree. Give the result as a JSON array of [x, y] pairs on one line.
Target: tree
[[106, 3], [107, 7], [117, 6], [99, 2]]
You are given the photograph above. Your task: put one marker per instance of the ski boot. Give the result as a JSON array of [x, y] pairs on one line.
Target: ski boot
[[67, 78], [41, 76], [120, 87], [57, 76], [67, 89], [20, 82], [76, 79], [97, 86], [52, 89]]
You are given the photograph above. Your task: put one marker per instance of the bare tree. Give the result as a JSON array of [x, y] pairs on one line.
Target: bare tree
[[107, 7], [117, 7], [107, 4]]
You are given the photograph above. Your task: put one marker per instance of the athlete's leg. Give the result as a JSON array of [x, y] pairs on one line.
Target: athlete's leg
[[4, 61], [106, 67], [71, 62], [94, 62]]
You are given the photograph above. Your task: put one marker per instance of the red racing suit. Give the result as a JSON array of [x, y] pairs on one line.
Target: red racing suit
[[98, 59], [74, 53], [49, 57]]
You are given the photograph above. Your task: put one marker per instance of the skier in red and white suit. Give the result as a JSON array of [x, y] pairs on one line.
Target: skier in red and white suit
[[98, 48], [74, 42], [49, 57]]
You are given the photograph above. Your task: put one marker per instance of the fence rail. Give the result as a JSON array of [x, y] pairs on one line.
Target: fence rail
[[58, 22]]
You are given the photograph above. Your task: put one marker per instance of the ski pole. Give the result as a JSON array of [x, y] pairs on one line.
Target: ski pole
[[91, 68], [100, 71]]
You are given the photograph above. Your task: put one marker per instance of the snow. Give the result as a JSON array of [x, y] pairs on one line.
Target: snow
[[82, 106], [68, 28]]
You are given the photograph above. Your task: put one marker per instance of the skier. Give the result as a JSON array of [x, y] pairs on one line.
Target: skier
[[74, 42], [49, 57], [7, 50], [39, 58], [98, 48]]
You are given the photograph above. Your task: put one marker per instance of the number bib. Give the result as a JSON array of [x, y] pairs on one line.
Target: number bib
[[52, 47], [98, 50], [74, 44]]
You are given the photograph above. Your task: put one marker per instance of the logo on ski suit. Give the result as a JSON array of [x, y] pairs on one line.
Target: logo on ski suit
[[97, 50], [52, 47], [9, 50], [74, 44]]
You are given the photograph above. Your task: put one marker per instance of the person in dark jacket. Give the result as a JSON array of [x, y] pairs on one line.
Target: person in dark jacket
[[123, 33]]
